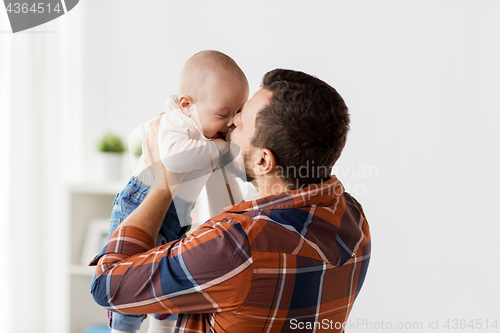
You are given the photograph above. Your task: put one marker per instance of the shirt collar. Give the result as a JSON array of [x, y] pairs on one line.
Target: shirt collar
[[318, 193], [173, 106]]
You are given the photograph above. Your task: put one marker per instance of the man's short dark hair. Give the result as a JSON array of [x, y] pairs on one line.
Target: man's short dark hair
[[305, 125]]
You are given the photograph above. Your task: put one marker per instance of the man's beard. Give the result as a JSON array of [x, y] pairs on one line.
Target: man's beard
[[237, 165]]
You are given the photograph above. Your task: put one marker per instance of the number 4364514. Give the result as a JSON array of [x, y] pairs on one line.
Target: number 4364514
[[471, 324], [38, 8]]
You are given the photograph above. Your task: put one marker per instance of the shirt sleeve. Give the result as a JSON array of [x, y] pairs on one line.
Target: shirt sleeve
[[209, 271], [179, 153]]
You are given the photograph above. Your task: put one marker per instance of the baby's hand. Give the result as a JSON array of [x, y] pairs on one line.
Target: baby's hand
[[193, 133], [222, 145]]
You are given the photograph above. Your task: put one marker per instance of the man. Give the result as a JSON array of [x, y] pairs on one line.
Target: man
[[294, 259]]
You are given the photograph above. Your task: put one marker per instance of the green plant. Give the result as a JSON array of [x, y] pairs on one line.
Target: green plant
[[111, 143], [138, 149]]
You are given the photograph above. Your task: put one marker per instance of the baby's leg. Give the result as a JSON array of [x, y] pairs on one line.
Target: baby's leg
[[162, 325], [125, 323], [177, 221], [124, 204]]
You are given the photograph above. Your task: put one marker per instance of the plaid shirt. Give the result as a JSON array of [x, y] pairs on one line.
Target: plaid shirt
[[277, 264]]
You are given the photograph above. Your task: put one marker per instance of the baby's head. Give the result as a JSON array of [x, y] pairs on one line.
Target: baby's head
[[217, 86]]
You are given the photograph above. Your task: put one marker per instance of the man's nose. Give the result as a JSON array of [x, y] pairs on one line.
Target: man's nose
[[236, 120]]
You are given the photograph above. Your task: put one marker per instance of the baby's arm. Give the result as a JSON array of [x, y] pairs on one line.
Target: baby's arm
[[180, 153], [222, 146]]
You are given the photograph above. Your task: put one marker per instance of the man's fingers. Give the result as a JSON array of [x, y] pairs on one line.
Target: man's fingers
[[144, 147], [150, 149]]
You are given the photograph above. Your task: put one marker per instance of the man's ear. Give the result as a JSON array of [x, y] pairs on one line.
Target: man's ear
[[265, 162], [185, 103]]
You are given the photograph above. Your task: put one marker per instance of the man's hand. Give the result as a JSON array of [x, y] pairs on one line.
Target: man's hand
[[193, 133], [151, 156], [222, 146], [163, 179], [151, 212]]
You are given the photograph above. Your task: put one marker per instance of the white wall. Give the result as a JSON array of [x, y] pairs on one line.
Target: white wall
[[422, 82]]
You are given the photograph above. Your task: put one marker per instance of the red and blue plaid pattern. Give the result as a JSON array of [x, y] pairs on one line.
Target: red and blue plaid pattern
[[260, 266]]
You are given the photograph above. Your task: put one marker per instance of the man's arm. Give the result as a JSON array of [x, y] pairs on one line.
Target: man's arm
[[151, 212], [206, 272]]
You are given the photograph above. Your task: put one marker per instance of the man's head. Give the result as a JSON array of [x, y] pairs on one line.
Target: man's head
[[293, 129], [217, 86]]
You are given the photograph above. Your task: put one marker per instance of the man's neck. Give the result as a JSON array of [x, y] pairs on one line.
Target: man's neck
[[269, 185]]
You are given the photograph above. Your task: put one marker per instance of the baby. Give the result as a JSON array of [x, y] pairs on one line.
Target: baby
[[212, 88]]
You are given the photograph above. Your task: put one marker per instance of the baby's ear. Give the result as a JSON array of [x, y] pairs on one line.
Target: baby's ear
[[185, 103]]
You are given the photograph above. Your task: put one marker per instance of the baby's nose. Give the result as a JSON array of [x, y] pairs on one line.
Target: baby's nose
[[230, 122]]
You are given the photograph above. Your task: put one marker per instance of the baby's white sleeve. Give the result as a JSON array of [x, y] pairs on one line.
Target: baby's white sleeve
[[179, 153]]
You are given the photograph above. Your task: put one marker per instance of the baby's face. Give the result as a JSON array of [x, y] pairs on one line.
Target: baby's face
[[221, 99]]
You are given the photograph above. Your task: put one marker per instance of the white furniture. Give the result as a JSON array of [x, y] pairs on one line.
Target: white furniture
[[86, 202]]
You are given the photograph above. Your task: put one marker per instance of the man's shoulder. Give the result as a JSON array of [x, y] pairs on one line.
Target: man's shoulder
[[330, 231], [243, 218], [245, 222], [259, 226]]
